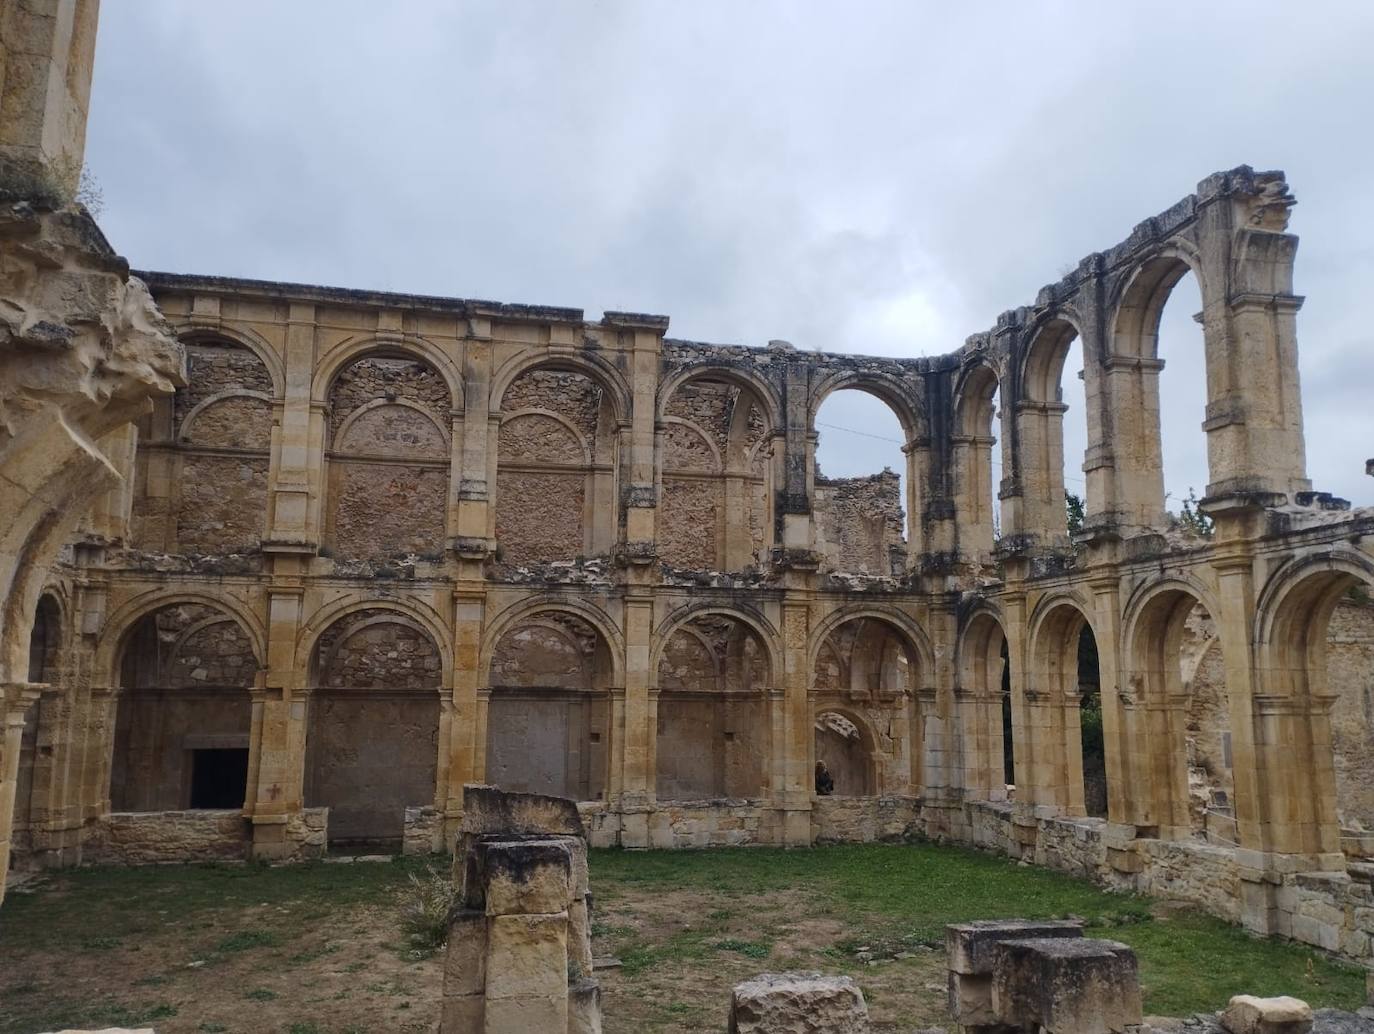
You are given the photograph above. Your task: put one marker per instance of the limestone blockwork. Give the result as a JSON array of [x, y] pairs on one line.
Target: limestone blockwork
[[378, 546]]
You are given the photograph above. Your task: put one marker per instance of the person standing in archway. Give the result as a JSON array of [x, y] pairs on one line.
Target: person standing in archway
[[825, 785]]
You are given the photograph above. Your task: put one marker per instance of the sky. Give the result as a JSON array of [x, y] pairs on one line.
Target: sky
[[882, 178]]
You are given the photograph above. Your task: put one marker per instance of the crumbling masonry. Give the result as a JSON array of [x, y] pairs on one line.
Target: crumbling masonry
[[377, 546]]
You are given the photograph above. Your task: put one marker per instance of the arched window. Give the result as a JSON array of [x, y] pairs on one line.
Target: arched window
[[985, 705], [372, 746], [390, 439], [184, 712]]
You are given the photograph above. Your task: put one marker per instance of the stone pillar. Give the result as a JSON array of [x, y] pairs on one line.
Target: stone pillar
[[16, 699], [1040, 429], [636, 745], [519, 945], [47, 53], [466, 741], [798, 723]]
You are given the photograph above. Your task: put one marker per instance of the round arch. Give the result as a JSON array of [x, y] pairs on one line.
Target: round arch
[[200, 407], [892, 391], [368, 407], [1047, 617], [906, 627], [871, 783], [1134, 312], [1278, 593], [557, 418], [194, 333], [387, 346], [977, 382], [717, 460], [1141, 598], [760, 389], [761, 627], [590, 365], [509, 617], [422, 617], [126, 617], [1042, 364]]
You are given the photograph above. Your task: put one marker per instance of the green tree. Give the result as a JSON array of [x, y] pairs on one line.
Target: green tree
[[1192, 519], [1073, 508]]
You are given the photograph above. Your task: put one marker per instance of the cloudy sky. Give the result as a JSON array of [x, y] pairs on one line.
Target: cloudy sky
[[867, 177]]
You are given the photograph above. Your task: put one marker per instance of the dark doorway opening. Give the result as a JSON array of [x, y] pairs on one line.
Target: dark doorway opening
[[219, 777]]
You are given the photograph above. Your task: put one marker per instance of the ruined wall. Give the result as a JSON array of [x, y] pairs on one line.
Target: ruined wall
[[553, 432], [859, 523], [389, 425], [1350, 674]]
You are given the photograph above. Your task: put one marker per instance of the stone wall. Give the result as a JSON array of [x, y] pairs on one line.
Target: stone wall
[[859, 522], [140, 838]]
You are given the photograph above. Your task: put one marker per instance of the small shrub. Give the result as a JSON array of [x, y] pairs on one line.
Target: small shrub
[[425, 905]]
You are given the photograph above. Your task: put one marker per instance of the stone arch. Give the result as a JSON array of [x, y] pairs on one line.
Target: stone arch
[[605, 374], [549, 671], [711, 679], [191, 332], [983, 696], [1056, 631], [1039, 410], [340, 438], [885, 661], [853, 759], [903, 624], [581, 447], [411, 347], [714, 503], [377, 682], [189, 420], [546, 507], [763, 393], [185, 671], [388, 497], [407, 610], [121, 622], [764, 629], [526, 609], [1155, 702], [895, 393], [1142, 293], [205, 490], [1133, 356], [975, 435]]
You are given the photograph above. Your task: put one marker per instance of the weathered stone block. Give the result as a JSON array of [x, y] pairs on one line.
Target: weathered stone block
[[463, 1014], [798, 1003], [584, 1008], [465, 964], [1066, 985], [970, 945], [507, 877], [526, 1015], [1246, 1014], [527, 956]]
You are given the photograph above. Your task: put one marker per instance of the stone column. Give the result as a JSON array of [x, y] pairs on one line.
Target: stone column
[[466, 740], [1132, 387], [637, 743], [1040, 427], [798, 781], [16, 697]]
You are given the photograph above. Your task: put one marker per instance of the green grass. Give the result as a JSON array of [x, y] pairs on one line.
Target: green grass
[[897, 897], [890, 898]]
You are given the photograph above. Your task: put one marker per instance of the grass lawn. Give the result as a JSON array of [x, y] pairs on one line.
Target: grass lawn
[[319, 949]]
